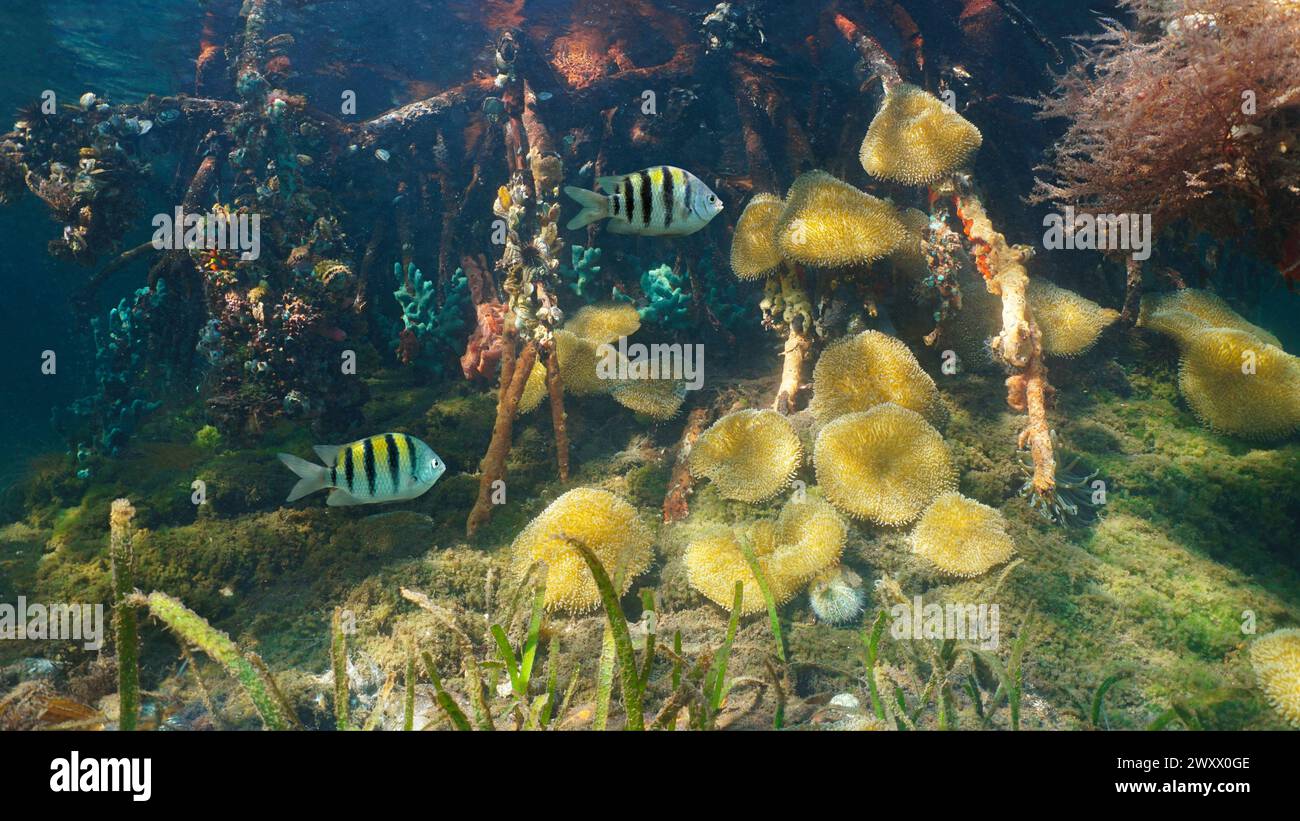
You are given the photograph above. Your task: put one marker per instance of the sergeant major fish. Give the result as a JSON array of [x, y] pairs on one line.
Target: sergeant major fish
[[656, 202], [388, 467]]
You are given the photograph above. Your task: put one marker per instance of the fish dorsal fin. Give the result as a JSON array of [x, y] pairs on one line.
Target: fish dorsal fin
[[327, 453], [610, 184]]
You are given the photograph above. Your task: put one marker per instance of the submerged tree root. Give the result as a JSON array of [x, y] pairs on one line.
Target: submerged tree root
[[1019, 344]]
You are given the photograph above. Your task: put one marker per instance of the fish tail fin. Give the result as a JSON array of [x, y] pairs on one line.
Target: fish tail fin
[[311, 477], [594, 206]]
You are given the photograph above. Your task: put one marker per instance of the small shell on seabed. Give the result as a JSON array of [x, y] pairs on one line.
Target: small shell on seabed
[[87, 100], [382, 154]]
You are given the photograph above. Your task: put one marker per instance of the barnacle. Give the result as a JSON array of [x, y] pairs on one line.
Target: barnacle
[[605, 323], [1239, 384], [1276, 660], [1070, 323], [806, 539], [606, 524], [829, 223], [865, 370], [1157, 314], [753, 247], [885, 464], [749, 455], [915, 139], [962, 537]]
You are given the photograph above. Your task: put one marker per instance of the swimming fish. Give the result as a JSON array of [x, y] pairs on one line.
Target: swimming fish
[[388, 467], [656, 202]]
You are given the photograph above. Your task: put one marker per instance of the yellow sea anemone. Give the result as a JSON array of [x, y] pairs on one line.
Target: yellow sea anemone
[[810, 536], [829, 223], [885, 464], [806, 539], [578, 364], [868, 369], [749, 455], [916, 140], [534, 390], [753, 248], [1070, 323], [962, 537], [1174, 323], [715, 562], [605, 323], [1238, 384], [660, 399], [1204, 305], [603, 522], [1276, 661]]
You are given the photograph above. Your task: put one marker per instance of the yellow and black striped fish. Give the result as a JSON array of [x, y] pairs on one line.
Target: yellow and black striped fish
[[658, 202], [389, 467]]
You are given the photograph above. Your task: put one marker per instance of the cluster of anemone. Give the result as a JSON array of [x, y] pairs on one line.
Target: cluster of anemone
[[1070, 324], [1275, 659], [749, 455], [869, 369], [915, 139], [1233, 374], [598, 519], [962, 537], [884, 465], [805, 541], [578, 349]]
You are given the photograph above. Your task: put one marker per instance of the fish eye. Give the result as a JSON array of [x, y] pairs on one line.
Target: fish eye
[[712, 198]]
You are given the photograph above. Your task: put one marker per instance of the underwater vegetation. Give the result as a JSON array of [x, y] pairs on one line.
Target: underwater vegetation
[[794, 463]]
